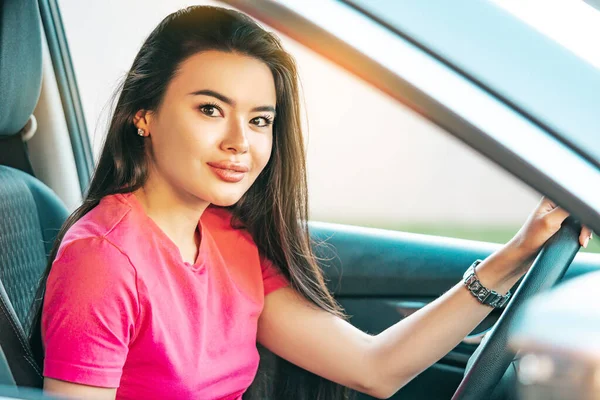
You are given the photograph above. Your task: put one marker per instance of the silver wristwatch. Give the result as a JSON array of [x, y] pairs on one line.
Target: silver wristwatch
[[480, 292]]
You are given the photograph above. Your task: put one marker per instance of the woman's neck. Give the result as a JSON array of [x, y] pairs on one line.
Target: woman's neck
[[175, 214]]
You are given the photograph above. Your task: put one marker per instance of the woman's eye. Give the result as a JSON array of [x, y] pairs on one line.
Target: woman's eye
[[210, 110], [262, 121]]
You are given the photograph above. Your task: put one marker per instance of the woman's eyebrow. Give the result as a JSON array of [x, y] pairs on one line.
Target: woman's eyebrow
[[264, 108], [227, 100], [217, 95]]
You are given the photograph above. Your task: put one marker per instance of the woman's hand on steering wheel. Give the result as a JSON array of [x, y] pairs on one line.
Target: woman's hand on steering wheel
[[540, 226]]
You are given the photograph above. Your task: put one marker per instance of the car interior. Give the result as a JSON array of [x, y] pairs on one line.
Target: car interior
[[41, 179], [31, 213]]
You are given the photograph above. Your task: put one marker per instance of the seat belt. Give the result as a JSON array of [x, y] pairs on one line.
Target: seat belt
[[13, 341], [6, 377]]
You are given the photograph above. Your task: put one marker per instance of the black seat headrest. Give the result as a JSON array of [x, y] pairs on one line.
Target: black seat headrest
[[20, 63]]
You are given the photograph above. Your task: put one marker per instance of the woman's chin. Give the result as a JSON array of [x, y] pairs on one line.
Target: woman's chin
[[225, 201], [222, 195]]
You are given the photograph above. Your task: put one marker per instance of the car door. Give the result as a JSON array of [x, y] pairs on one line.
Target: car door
[[382, 275]]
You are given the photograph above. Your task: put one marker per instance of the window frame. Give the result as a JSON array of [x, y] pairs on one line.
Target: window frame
[[68, 90]]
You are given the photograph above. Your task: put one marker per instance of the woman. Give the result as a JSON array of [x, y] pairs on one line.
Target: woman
[[192, 245]]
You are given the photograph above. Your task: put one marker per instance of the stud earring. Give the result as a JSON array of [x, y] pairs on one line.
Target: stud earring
[[141, 132]]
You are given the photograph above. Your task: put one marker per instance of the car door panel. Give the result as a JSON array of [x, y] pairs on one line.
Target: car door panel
[[380, 277]]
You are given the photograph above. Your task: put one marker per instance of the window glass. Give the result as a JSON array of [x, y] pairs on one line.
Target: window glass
[[575, 24], [371, 161]]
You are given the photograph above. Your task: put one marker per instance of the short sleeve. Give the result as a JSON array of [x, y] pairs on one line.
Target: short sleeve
[[89, 313], [272, 277]]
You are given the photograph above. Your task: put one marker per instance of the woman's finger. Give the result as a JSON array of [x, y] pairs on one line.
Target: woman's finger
[[550, 202], [585, 236], [545, 205], [558, 215]]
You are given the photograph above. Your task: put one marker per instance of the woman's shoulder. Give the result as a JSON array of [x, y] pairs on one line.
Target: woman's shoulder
[[105, 221]]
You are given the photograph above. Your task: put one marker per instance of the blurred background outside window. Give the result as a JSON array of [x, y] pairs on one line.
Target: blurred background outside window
[[371, 161]]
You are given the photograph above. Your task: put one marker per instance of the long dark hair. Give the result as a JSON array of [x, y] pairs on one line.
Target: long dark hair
[[274, 210]]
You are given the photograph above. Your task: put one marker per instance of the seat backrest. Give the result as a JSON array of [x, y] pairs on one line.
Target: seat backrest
[[30, 213], [30, 217]]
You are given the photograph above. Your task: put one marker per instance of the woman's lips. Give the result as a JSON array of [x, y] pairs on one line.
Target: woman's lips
[[228, 171]]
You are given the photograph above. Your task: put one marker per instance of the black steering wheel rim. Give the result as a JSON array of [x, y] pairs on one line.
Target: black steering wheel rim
[[493, 357]]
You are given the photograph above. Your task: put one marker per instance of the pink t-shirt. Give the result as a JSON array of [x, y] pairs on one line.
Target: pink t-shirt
[[122, 309]]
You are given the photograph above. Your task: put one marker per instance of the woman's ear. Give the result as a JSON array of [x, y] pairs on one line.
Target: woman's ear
[[141, 120]]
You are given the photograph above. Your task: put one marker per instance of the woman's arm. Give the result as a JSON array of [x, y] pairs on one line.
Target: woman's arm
[[89, 317], [380, 365], [77, 391]]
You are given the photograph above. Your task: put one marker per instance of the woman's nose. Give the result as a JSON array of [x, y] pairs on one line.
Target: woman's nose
[[236, 138]]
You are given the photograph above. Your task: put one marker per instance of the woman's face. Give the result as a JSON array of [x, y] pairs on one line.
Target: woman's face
[[212, 135]]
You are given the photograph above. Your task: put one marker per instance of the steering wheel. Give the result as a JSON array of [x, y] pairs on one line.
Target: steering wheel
[[491, 359]]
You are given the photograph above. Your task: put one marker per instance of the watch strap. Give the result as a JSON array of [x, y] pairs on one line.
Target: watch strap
[[481, 293]]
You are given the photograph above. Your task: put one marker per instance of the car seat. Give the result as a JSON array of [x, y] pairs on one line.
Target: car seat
[[30, 213]]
